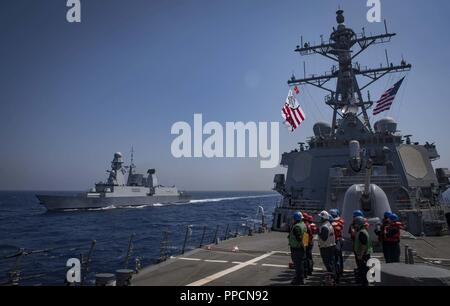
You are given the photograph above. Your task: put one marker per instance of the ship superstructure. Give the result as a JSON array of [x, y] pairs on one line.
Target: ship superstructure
[[119, 190], [350, 152]]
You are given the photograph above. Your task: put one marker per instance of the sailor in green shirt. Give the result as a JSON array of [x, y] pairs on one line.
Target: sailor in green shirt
[[363, 249], [296, 236]]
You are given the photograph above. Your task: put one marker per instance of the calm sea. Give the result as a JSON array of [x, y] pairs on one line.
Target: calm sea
[[48, 239]]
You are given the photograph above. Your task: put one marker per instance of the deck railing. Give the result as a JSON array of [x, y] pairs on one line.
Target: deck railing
[[15, 267]]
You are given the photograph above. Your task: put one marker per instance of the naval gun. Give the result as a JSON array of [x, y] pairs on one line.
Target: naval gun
[[367, 197]]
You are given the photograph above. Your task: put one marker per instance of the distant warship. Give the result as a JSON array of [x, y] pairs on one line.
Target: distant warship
[[350, 165], [137, 190]]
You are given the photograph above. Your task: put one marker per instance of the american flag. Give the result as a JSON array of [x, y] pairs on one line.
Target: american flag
[[387, 98], [291, 111]]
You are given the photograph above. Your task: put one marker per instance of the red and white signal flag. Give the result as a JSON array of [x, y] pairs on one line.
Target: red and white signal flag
[[291, 111]]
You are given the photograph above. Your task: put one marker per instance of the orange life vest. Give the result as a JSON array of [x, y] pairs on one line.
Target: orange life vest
[[396, 226], [381, 235], [311, 229], [338, 226], [352, 231]]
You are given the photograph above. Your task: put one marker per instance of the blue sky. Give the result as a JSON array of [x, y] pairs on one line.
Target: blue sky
[[72, 94]]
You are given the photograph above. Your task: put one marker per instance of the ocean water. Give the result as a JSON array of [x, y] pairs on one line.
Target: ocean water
[[49, 239]]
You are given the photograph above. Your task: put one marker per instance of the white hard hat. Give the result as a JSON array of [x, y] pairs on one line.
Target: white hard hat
[[324, 215]]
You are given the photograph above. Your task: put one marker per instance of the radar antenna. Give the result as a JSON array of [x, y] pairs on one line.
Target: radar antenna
[[346, 99], [132, 165]]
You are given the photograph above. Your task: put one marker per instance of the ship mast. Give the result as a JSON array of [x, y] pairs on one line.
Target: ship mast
[[132, 166], [346, 100]]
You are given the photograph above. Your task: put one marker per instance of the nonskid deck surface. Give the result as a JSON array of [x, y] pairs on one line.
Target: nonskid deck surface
[[262, 260]]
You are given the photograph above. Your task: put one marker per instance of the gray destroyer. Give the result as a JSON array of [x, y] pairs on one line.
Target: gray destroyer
[[350, 164], [136, 190]]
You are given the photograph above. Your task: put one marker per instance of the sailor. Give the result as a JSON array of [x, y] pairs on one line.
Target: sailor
[[391, 233], [380, 232], [296, 238], [362, 248], [353, 229], [338, 226], [327, 243], [311, 229]]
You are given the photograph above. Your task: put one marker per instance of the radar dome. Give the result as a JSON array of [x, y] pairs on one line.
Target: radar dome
[[386, 125], [321, 129], [118, 158]]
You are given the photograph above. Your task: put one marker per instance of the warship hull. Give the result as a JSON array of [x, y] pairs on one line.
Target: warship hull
[[60, 203]]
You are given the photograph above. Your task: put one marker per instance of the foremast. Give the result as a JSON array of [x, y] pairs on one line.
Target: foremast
[[347, 100]]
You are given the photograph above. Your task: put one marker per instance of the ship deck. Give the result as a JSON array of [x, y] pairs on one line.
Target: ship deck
[[262, 260]]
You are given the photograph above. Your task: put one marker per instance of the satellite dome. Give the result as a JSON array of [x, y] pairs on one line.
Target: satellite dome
[[118, 158], [321, 129], [386, 125]]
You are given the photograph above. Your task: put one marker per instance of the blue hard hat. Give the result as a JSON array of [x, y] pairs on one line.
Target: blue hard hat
[[387, 214], [359, 221], [393, 217], [333, 212], [358, 213], [297, 216], [338, 212]]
